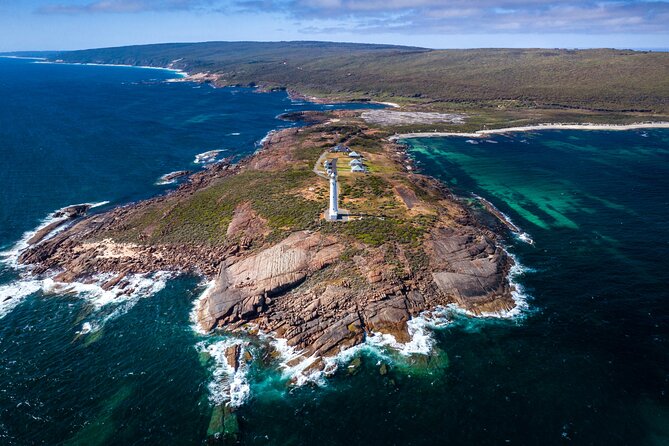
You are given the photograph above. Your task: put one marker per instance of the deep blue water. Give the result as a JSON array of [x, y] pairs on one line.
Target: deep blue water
[[72, 134], [588, 363]]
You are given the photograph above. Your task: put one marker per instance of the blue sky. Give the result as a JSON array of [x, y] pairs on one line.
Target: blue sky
[[73, 24]]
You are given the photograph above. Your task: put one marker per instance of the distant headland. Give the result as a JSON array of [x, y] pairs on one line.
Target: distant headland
[[495, 88]]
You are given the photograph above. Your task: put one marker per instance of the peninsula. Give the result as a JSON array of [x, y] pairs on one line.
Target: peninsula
[[256, 230], [494, 88]]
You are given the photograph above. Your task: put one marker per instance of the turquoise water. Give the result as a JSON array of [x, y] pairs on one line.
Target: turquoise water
[[590, 361], [587, 363]]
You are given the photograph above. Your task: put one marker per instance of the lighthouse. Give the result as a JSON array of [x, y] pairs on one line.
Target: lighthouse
[[333, 211]]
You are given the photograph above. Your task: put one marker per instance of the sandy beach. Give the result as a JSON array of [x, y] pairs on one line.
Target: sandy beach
[[549, 126]]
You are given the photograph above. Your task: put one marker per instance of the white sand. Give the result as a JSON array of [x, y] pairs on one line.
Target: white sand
[[549, 126]]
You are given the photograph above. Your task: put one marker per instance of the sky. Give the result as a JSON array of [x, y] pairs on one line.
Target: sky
[[77, 24]]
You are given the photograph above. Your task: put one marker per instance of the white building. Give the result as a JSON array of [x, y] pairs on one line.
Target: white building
[[333, 211]]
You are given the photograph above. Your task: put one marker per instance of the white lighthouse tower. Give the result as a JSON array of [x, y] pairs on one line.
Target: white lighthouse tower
[[333, 211]]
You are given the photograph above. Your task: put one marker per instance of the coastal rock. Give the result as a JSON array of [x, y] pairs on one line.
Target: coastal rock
[[232, 356], [74, 211], [471, 269], [389, 316], [64, 216], [241, 286]]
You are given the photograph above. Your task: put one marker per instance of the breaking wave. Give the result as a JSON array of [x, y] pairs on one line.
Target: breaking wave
[[12, 294], [227, 384], [207, 157], [195, 325], [122, 296], [170, 178], [259, 144]]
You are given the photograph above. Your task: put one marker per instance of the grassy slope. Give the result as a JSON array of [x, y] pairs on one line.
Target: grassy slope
[[611, 80]]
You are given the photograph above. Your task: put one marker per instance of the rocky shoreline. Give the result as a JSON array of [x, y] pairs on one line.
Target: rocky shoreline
[[323, 287]]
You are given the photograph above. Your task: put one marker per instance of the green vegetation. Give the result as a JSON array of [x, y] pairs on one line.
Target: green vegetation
[[376, 231], [367, 186], [495, 79], [204, 216]]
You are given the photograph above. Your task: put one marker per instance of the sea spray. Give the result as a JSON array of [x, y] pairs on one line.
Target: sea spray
[[197, 305], [228, 385], [519, 295], [171, 177], [293, 364], [208, 157], [12, 294], [300, 370], [261, 143]]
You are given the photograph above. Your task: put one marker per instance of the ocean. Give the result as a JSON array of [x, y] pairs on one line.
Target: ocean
[[585, 361]]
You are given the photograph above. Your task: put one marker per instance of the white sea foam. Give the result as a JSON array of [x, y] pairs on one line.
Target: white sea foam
[[518, 294], [471, 141], [126, 292], [195, 325], [138, 286], [295, 365], [227, 385], [165, 179], [120, 300], [234, 134], [421, 332], [207, 157], [421, 340], [86, 328], [261, 143], [12, 294]]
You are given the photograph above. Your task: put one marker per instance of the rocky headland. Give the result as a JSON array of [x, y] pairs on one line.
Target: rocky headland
[[255, 229]]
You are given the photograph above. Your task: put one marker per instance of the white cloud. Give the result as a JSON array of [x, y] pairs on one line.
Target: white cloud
[[420, 16]]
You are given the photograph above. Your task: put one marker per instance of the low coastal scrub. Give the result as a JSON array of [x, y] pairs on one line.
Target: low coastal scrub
[[594, 79], [376, 231], [203, 217]]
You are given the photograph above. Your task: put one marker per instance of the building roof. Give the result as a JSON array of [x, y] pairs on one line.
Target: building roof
[[358, 169], [356, 162], [354, 154]]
